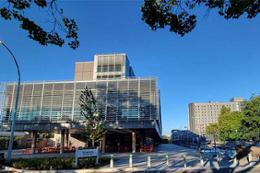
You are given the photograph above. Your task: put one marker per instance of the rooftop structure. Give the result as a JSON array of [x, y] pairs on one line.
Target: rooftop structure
[[107, 66]]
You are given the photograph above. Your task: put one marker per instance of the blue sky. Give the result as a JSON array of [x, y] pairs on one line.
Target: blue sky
[[216, 61]]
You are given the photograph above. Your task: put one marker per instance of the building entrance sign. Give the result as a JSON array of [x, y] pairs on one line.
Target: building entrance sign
[[86, 153]]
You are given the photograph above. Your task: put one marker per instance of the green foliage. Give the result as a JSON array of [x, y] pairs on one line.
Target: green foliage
[[88, 109], [56, 163], [3, 142], [212, 129], [244, 125], [90, 162], [229, 124], [165, 139], [251, 120], [179, 17], [63, 29], [157, 14], [42, 163]]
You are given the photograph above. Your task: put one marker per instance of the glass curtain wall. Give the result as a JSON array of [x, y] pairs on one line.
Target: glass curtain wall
[[129, 99]]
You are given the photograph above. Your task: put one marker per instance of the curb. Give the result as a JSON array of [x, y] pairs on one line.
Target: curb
[[112, 170]]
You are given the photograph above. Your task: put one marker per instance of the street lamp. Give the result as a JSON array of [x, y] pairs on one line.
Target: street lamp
[[186, 136], [11, 140]]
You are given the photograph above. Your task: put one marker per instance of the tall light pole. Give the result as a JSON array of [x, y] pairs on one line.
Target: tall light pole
[[186, 132], [11, 140]]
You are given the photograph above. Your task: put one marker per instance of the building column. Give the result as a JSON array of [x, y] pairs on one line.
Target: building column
[[133, 142], [62, 141], [104, 143], [34, 140], [119, 144], [141, 140], [67, 135]]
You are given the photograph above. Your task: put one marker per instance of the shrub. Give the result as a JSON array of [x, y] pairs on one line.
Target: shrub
[[56, 163], [90, 162], [3, 142], [2, 159]]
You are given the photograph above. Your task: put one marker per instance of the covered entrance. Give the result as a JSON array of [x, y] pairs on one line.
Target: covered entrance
[[131, 140]]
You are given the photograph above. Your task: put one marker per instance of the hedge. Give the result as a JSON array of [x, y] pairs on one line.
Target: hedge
[[56, 163], [3, 142]]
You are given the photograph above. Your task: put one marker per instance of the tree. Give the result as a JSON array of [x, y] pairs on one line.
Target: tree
[[88, 109], [251, 120], [178, 16], [62, 28], [229, 124], [213, 129], [165, 139]]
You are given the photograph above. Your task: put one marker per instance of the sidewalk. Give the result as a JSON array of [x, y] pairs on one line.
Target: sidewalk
[[158, 162], [254, 169]]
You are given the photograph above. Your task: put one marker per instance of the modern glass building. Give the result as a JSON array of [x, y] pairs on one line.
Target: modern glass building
[[127, 104]]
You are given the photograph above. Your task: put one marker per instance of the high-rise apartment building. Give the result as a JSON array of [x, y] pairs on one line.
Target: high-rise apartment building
[[129, 106], [202, 114]]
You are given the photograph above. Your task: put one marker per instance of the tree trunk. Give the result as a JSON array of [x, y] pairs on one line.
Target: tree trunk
[[87, 144], [93, 143], [215, 145]]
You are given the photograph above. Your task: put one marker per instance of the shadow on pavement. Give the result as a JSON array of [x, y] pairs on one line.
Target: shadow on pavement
[[250, 168]]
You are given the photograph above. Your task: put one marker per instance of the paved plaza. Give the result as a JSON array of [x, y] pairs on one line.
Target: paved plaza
[[176, 162], [158, 159]]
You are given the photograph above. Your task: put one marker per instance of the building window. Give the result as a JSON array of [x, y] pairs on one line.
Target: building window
[[105, 68], [111, 68], [117, 76], [99, 68], [117, 67]]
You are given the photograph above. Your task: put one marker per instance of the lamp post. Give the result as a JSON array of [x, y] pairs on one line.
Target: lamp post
[[186, 135], [11, 140]]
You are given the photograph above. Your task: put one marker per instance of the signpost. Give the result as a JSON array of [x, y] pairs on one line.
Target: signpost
[[86, 153]]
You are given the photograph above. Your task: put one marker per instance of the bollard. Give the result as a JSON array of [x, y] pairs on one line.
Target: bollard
[[235, 161], [201, 161], [111, 161], [218, 158], [130, 160], [148, 161], [185, 161], [250, 159], [167, 160], [75, 165], [97, 158]]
